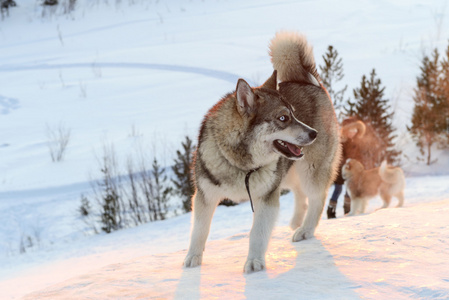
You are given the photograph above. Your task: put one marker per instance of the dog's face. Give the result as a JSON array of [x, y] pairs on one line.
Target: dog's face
[[285, 134], [351, 167], [274, 127]]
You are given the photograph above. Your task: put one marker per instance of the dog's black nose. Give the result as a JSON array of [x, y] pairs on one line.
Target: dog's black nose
[[313, 134]]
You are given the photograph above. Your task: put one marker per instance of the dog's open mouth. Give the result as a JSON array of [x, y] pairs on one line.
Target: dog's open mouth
[[289, 150]]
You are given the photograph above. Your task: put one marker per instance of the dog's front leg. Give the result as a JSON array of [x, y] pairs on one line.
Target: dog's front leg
[[265, 213], [203, 210]]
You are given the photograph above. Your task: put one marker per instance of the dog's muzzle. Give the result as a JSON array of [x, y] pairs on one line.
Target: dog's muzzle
[[293, 151], [289, 150]]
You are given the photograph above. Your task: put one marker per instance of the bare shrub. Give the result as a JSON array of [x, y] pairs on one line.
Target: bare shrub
[[96, 69], [83, 89], [138, 195], [58, 138]]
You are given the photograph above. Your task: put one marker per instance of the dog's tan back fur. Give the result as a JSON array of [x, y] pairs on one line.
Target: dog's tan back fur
[[363, 185], [390, 174]]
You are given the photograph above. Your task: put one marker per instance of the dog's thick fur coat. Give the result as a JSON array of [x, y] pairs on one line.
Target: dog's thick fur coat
[[263, 131], [362, 185]]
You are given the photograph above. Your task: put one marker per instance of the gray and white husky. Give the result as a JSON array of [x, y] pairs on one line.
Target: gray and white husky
[[255, 141]]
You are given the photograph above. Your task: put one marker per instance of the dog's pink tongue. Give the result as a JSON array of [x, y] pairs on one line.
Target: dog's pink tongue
[[294, 149]]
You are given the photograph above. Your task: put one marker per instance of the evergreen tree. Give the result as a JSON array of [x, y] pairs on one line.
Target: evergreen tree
[[110, 212], [85, 207], [108, 192], [331, 74], [444, 84], [183, 181], [430, 116], [370, 106], [160, 191], [110, 205]]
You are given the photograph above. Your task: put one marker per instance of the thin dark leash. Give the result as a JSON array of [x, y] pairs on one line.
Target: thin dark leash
[[247, 185]]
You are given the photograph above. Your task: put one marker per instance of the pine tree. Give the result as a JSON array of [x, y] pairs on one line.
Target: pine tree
[[444, 84], [85, 207], [183, 181], [160, 191], [430, 116], [370, 106], [110, 202], [331, 74], [108, 192], [110, 212]]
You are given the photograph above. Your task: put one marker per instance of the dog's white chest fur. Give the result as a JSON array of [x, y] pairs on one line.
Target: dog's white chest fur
[[260, 183]]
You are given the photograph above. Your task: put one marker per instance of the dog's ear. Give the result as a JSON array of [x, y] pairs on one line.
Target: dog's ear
[[246, 100], [271, 82]]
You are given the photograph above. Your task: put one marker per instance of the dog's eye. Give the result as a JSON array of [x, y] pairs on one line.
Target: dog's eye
[[284, 118]]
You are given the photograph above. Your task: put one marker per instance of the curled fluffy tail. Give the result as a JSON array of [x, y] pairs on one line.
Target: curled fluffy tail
[[354, 129], [293, 59], [390, 174]]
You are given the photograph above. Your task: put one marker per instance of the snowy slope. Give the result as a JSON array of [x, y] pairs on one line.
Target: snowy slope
[[141, 74], [362, 258], [396, 253]]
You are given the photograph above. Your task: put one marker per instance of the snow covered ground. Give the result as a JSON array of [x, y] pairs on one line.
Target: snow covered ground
[[396, 253], [141, 74]]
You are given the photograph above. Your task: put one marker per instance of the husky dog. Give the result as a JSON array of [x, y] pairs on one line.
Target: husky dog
[[252, 131], [262, 132], [363, 185], [311, 177]]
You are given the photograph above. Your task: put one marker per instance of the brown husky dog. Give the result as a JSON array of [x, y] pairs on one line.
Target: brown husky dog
[[262, 132], [363, 185], [249, 132]]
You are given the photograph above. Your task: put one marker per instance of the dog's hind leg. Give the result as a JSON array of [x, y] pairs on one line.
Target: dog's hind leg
[[316, 191], [307, 229], [203, 210], [356, 204], [386, 197], [363, 205], [291, 181], [400, 197], [265, 215], [300, 207]]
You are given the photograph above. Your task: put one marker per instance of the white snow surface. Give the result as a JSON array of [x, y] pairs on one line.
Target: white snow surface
[[141, 74]]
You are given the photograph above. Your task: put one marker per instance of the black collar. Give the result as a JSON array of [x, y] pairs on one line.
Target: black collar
[[247, 185]]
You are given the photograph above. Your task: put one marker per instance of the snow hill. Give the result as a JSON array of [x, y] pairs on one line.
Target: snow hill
[[141, 74]]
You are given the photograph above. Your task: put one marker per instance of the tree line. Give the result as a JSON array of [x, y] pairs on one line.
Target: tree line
[[143, 194], [429, 123]]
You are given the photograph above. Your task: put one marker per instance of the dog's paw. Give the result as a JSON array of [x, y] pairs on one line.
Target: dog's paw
[[192, 261], [302, 234], [254, 265]]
